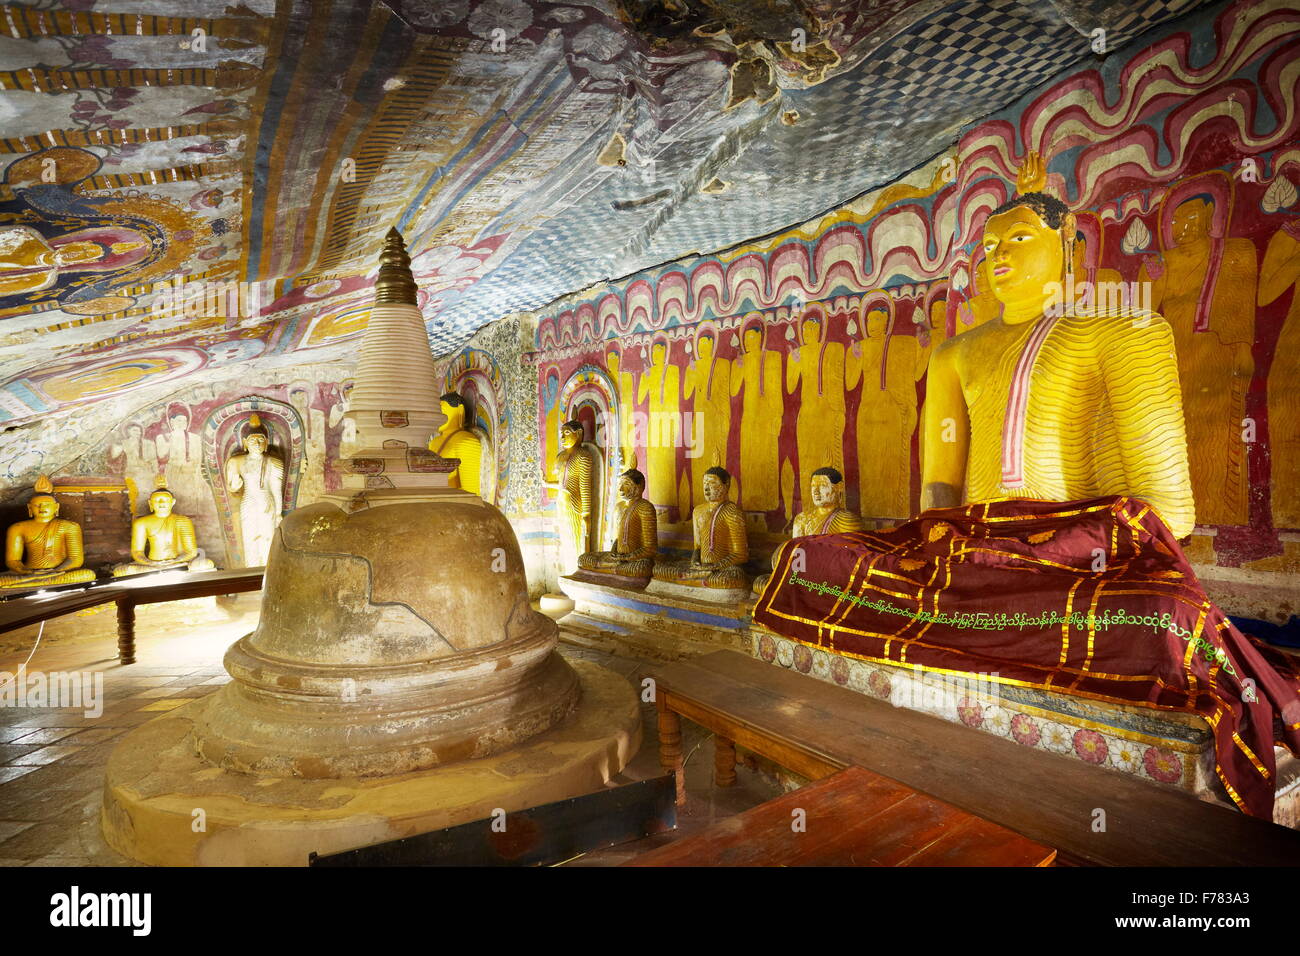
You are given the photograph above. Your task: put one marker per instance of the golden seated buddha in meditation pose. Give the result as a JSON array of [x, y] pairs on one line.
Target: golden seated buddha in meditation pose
[[1047, 401], [721, 544], [45, 550], [162, 539], [633, 555], [457, 440], [827, 515]]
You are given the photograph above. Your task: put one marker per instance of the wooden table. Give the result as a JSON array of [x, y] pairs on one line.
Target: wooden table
[[817, 729], [128, 593], [852, 818]]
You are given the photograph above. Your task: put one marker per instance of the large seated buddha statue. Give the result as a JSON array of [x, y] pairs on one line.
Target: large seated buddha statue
[[715, 570], [826, 516], [633, 556], [1055, 490], [45, 550], [457, 439], [162, 539], [1048, 401]]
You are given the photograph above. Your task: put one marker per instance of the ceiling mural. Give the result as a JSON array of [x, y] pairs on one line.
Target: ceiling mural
[[194, 186]]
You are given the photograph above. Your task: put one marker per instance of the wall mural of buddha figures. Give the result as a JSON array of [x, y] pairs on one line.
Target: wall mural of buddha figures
[[826, 332]]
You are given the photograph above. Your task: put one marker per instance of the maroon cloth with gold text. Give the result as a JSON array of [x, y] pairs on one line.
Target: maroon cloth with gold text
[[1091, 598]]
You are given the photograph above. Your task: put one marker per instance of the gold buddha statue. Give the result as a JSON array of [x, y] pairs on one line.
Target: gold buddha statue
[[455, 439], [162, 539], [721, 544], [579, 506], [826, 516], [45, 550], [634, 551], [1053, 403]]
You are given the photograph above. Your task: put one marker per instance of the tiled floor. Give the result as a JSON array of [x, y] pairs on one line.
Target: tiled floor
[[52, 760]]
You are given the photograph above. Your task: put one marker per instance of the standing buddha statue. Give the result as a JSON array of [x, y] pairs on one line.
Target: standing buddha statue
[[578, 506], [44, 550], [258, 479]]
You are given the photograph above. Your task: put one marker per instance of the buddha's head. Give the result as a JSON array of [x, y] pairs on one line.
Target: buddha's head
[[812, 331], [613, 356], [827, 488], [44, 508], [161, 502], [753, 339], [658, 353], [1192, 219], [571, 433], [552, 387], [631, 484], [1079, 264], [716, 482], [877, 323], [704, 346], [453, 407], [1024, 251]]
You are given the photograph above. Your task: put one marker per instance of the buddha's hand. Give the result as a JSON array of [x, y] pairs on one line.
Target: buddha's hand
[[1032, 177]]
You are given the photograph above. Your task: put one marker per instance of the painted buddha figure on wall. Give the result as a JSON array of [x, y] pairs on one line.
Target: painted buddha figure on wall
[[721, 544], [162, 539], [1048, 402], [257, 479], [634, 551], [456, 439], [44, 550], [826, 516]]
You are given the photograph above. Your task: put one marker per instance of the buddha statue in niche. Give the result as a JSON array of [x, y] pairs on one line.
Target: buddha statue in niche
[[578, 504], [634, 551], [721, 544], [1058, 407], [826, 516], [455, 439], [162, 539], [257, 478], [44, 550]]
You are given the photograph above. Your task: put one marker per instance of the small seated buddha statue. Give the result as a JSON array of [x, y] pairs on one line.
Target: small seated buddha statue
[[827, 515], [633, 554], [721, 544], [456, 439], [162, 539], [1049, 401], [45, 550]]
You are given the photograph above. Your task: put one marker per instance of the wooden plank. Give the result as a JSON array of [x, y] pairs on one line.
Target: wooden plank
[[854, 818], [1047, 797]]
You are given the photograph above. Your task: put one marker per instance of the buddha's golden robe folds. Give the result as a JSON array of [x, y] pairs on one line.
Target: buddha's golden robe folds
[[810, 522], [1083, 405], [722, 546], [46, 547], [638, 543], [577, 504]]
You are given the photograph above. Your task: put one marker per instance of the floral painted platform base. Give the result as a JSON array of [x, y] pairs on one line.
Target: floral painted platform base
[[1171, 749]]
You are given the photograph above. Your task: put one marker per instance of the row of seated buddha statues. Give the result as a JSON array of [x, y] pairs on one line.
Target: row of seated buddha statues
[[48, 551], [715, 570]]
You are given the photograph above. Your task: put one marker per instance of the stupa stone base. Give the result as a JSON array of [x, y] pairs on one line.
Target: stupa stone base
[[157, 785]]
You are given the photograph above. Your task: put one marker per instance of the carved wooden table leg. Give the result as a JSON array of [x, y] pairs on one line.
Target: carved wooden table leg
[[670, 747], [724, 761], [126, 631]]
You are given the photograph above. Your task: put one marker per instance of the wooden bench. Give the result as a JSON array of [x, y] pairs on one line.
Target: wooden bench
[[852, 818], [128, 594], [1087, 813]]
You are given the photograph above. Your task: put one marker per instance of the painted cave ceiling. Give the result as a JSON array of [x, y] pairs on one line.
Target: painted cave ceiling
[[525, 149]]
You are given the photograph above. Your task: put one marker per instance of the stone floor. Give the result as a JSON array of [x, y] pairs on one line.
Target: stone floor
[[52, 760]]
